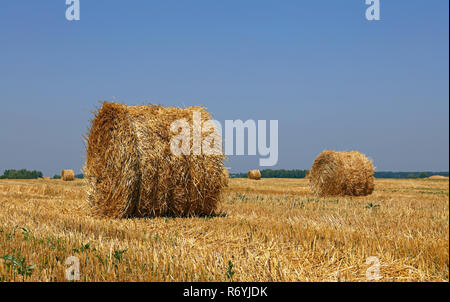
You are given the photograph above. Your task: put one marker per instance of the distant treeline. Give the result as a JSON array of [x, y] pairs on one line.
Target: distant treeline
[[25, 174], [389, 174], [21, 174], [268, 173], [57, 176]]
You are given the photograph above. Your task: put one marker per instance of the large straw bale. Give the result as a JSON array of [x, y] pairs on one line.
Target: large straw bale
[[131, 171], [342, 173], [254, 174]]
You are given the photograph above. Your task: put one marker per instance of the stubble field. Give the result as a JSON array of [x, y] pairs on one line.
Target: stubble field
[[267, 230]]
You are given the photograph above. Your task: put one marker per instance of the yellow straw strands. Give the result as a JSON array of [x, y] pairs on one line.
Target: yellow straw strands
[[131, 171], [254, 174], [342, 173], [67, 175]]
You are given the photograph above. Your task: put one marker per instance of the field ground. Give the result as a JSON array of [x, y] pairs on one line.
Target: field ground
[[267, 230]]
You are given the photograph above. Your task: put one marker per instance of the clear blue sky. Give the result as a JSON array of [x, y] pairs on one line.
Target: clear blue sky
[[331, 78]]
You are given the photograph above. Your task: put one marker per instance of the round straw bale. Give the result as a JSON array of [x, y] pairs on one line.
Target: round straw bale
[[438, 177], [342, 173], [307, 174], [254, 174], [227, 174], [67, 175], [131, 171]]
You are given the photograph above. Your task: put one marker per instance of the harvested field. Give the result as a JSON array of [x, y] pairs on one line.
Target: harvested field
[[269, 230]]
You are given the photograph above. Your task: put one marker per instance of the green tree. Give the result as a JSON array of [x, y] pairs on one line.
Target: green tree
[[21, 174]]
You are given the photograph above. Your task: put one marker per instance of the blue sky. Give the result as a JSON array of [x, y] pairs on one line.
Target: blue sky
[[333, 79]]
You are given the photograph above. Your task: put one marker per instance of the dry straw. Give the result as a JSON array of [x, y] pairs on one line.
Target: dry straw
[[438, 177], [254, 174], [342, 173], [131, 171], [67, 175], [226, 173]]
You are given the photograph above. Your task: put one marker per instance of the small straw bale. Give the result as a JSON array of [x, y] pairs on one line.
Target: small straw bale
[[46, 178], [438, 177], [307, 174], [131, 172], [67, 175], [254, 174], [226, 173], [341, 173]]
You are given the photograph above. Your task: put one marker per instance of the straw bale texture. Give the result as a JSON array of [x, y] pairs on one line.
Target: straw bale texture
[[131, 171], [227, 174], [67, 175], [307, 174], [342, 173], [254, 174]]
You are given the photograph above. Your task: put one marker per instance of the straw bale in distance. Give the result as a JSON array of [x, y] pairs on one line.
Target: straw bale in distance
[[307, 174], [438, 177], [342, 173], [67, 175], [254, 174], [131, 171], [227, 176]]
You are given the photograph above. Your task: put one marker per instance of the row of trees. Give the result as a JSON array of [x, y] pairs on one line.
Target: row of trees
[[389, 174], [25, 174], [57, 176], [268, 173], [21, 174]]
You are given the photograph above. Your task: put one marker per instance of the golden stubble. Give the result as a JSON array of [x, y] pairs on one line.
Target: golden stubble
[[270, 230]]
